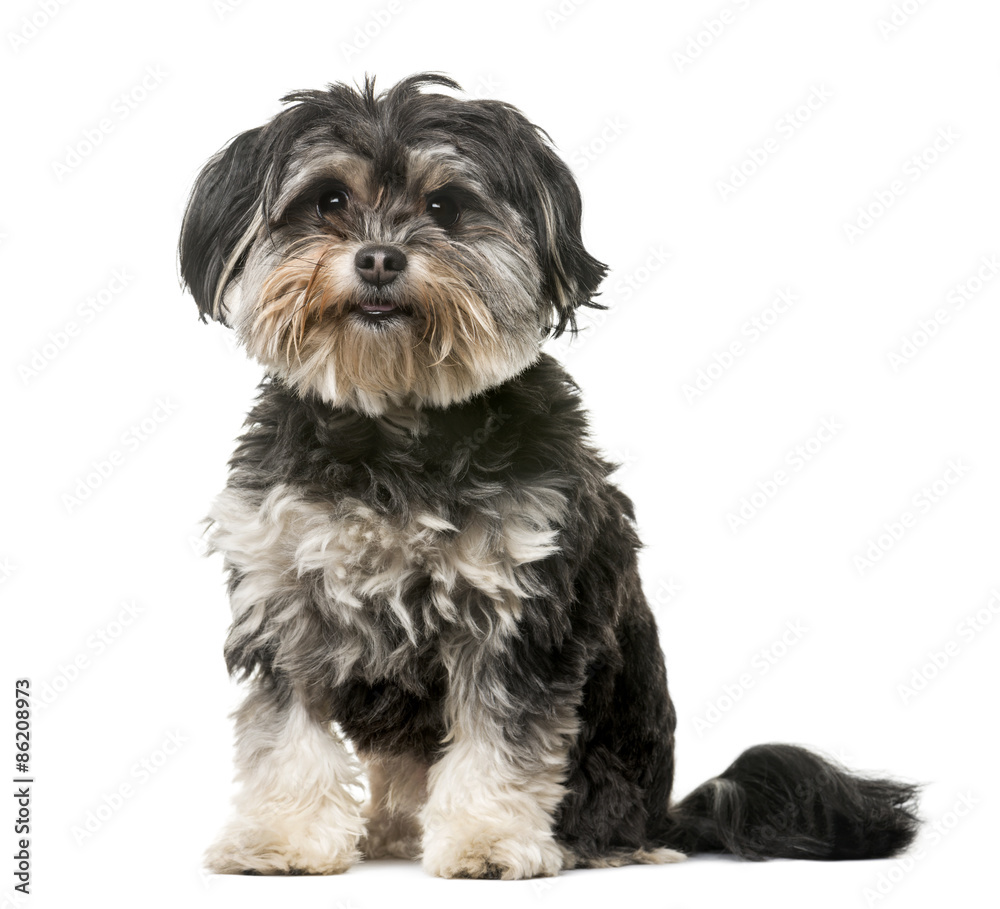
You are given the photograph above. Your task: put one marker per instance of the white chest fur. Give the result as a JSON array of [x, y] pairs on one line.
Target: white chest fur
[[346, 561]]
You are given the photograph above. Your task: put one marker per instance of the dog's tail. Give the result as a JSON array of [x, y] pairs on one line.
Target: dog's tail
[[782, 801]]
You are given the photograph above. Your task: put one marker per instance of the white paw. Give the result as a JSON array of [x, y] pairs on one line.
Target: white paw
[[468, 848], [256, 847]]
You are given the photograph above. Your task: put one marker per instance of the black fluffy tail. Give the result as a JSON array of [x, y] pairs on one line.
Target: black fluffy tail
[[781, 801]]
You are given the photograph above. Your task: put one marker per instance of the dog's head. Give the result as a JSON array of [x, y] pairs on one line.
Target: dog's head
[[402, 248]]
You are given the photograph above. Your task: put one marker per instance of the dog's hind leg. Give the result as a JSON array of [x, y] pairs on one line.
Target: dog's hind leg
[[398, 791]]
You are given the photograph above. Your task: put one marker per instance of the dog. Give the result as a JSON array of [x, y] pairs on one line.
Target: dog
[[433, 580]]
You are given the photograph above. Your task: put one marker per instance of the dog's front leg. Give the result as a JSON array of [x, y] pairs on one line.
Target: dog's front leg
[[492, 796], [296, 812]]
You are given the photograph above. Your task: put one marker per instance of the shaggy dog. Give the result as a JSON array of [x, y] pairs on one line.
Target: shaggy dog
[[425, 553]]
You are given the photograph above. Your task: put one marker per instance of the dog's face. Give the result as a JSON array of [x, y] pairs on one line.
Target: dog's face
[[406, 248]]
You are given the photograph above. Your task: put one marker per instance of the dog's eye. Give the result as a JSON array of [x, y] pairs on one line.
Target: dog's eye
[[443, 209], [332, 201]]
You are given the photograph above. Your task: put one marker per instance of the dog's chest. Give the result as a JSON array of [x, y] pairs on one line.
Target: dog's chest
[[374, 572]]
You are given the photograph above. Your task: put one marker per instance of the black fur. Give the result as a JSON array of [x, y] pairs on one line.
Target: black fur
[[220, 210], [781, 801]]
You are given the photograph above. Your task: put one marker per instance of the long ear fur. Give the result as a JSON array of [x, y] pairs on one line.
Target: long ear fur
[[543, 187], [222, 218]]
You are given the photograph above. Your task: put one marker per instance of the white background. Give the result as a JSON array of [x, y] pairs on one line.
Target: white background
[[650, 138]]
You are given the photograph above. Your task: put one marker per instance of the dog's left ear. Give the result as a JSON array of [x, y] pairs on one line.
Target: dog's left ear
[[546, 191], [221, 221]]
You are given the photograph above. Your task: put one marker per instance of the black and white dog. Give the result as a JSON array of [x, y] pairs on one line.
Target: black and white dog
[[425, 553]]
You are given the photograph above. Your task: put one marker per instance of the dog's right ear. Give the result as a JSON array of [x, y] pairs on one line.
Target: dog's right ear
[[222, 218]]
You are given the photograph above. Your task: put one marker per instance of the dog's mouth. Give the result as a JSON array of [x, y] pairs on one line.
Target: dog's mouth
[[380, 311]]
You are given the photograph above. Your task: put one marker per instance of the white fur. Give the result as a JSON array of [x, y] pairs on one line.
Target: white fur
[[490, 811], [289, 545], [296, 810], [491, 804]]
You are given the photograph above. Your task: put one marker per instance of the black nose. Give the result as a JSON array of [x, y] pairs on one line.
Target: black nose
[[379, 265]]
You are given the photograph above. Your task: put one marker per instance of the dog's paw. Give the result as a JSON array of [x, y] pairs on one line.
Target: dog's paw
[[615, 859], [472, 850], [255, 848]]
